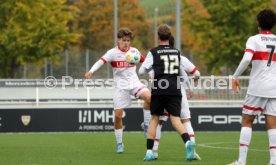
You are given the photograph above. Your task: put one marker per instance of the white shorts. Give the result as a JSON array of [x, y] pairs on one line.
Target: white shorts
[[165, 116], [185, 109], [254, 105], [122, 97]]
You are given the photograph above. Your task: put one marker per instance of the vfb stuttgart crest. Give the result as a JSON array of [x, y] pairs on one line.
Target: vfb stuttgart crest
[[26, 119]]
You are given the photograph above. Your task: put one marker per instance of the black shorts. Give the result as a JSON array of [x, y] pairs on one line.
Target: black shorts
[[160, 102]]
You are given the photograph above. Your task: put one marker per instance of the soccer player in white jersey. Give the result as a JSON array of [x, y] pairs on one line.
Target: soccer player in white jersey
[[185, 67], [126, 82], [261, 93]]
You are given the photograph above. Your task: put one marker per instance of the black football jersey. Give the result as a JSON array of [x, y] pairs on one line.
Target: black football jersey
[[166, 66]]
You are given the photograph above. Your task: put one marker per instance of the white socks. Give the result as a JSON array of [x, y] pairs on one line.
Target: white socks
[[190, 130], [147, 117], [245, 139], [272, 145], [119, 135], [157, 137]]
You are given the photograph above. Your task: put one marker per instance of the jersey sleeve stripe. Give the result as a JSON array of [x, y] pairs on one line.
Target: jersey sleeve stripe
[[142, 59], [252, 108], [103, 59], [194, 70], [272, 147], [249, 50]]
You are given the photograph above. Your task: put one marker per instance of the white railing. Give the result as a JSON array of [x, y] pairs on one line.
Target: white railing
[[210, 91]]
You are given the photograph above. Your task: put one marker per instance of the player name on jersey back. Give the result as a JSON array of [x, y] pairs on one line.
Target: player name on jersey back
[[265, 38]]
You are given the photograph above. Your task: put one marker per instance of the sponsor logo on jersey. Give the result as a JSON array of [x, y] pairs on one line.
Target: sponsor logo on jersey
[[121, 64]]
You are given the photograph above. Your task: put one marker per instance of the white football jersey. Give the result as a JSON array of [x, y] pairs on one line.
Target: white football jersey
[[262, 81], [124, 74], [187, 66]]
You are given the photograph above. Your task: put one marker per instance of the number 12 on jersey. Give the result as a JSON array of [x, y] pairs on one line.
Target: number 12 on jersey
[[171, 64]]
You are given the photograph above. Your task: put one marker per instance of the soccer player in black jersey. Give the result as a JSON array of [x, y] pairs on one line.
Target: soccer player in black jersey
[[164, 60]]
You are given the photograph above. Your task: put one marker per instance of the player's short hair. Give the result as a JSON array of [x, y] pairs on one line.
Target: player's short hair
[[122, 32], [171, 41], [266, 19], [164, 32]]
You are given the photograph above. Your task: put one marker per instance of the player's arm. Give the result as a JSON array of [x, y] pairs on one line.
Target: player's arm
[[142, 58], [105, 58], [147, 64], [94, 68], [185, 79], [247, 57], [190, 91], [189, 67]]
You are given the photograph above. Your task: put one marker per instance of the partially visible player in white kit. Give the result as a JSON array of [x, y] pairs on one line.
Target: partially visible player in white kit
[[126, 81], [261, 93], [185, 67]]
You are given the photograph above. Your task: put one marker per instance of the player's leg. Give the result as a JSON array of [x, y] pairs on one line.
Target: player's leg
[[185, 116], [270, 115], [156, 110], [188, 125], [190, 145], [121, 100], [245, 137], [271, 130], [252, 107], [143, 93], [174, 107], [162, 120], [146, 112], [151, 136], [118, 129]]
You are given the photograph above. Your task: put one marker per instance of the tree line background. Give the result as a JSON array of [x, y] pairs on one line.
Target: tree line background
[[65, 37]]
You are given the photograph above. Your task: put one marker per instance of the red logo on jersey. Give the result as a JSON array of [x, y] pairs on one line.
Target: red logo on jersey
[[120, 64]]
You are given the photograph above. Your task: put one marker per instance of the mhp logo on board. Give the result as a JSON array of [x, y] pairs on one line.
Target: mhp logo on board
[[96, 119], [96, 116]]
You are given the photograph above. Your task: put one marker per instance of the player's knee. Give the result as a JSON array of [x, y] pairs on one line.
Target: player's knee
[[146, 97], [147, 101], [247, 123], [118, 115]]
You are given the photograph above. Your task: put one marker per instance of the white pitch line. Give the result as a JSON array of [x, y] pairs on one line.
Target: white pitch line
[[210, 145]]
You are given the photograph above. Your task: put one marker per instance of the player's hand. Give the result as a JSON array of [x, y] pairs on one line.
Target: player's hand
[[88, 75], [190, 94], [236, 85]]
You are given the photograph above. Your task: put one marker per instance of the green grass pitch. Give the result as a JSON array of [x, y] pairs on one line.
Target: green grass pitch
[[215, 148]]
